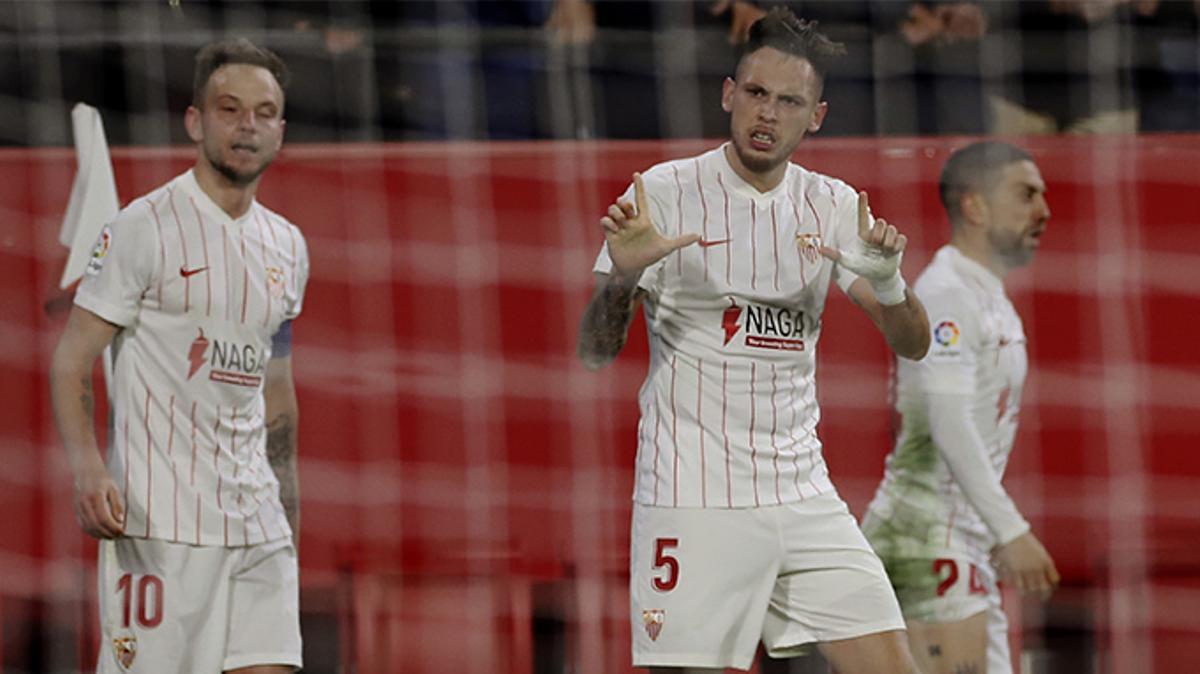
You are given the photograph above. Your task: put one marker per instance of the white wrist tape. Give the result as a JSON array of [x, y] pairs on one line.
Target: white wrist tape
[[890, 292]]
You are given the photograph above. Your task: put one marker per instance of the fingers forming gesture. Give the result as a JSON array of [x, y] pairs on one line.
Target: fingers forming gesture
[[875, 254], [634, 243]]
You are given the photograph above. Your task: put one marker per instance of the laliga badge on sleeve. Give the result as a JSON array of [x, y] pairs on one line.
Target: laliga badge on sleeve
[[99, 252]]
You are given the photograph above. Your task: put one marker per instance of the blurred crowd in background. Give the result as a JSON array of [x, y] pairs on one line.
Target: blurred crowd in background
[[575, 69]]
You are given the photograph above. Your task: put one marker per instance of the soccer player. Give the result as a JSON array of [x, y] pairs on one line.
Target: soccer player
[[738, 535], [195, 286], [941, 508]]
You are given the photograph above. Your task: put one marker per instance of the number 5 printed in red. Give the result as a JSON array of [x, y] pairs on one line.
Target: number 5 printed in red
[[671, 563]]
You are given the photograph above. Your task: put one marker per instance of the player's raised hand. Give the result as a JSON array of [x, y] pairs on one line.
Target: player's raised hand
[[634, 243], [875, 254], [98, 504], [1025, 563]]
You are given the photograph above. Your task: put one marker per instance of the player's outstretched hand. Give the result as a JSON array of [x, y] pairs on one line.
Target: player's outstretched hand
[[875, 254], [633, 241], [98, 504], [1025, 563]]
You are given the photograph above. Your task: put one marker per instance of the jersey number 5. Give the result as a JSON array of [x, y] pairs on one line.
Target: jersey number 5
[[662, 559], [149, 604]]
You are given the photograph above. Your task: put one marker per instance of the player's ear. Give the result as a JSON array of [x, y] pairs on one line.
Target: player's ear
[[974, 208], [191, 121], [727, 90], [818, 117]]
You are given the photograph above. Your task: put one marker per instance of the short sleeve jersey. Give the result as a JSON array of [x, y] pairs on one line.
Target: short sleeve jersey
[[198, 296], [978, 350], [728, 407]]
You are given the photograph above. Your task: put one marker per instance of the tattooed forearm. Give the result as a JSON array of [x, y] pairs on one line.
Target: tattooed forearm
[[281, 453], [605, 324], [85, 398]]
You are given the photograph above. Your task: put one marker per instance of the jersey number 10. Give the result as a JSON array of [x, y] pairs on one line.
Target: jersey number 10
[[149, 603]]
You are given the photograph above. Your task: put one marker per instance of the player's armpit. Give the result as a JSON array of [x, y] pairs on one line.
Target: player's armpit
[[604, 327]]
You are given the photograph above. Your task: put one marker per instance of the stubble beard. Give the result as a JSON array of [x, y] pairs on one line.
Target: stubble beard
[[759, 163], [235, 177]]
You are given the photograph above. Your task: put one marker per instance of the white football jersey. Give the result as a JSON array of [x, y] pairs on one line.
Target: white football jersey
[[978, 350], [198, 296], [729, 408]]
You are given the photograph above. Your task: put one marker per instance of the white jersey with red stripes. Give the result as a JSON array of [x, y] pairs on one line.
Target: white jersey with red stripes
[[729, 407], [978, 350], [198, 296]]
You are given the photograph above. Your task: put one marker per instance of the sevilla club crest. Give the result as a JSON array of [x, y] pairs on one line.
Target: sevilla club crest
[[653, 620], [125, 648]]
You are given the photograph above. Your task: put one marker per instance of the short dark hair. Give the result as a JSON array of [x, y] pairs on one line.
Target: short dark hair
[[975, 168], [781, 29], [235, 51]]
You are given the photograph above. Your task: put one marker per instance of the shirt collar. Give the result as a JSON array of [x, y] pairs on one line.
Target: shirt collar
[[737, 184], [972, 269]]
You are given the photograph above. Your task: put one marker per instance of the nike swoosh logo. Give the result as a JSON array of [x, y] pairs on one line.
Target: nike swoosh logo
[[717, 242], [191, 272]]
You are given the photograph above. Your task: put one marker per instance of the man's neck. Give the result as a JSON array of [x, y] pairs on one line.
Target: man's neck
[[763, 182], [235, 200], [981, 252]]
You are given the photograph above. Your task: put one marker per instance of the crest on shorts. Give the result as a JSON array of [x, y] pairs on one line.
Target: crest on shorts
[[125, 648], [653, 620]]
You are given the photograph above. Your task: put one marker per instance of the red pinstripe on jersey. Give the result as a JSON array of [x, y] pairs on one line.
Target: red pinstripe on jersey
[[753, 249], [703, 213], [174, 469], [657, 421], [728, 235], [753, 420], [204, 244], [217, 468], [125, 487], [187, 280], [700, 423], [266, 267], [799, 253], [225, 271], [245, 273], [793, 403], [162, 252], [774, 445], [674, 436], [149, 458], [725, 431], [775, 241]]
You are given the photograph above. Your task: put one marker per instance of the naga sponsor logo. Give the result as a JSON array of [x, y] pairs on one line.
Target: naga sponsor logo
[[229, 362], [764, 326]]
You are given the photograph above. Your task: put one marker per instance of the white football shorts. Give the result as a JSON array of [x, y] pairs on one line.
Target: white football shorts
[[172, 607], [706, 585]]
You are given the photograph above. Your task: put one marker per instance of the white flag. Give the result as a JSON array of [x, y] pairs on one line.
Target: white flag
[[93, 202]]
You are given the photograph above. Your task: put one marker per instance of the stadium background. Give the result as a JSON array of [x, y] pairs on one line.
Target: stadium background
[[465, 481]]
